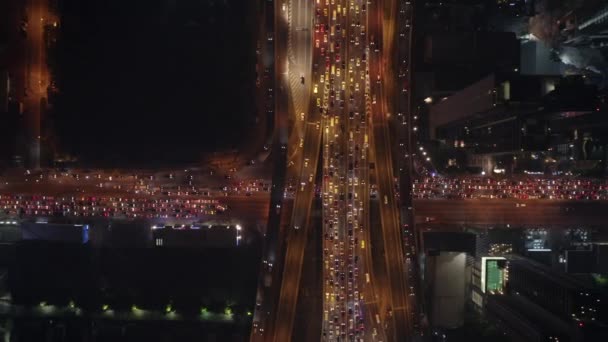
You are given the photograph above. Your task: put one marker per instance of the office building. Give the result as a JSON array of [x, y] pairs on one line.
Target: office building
[[558, 293], [447, 268], [523, 123], [446, 272]]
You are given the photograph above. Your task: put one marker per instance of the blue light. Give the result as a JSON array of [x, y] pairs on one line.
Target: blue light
[[85, 234]]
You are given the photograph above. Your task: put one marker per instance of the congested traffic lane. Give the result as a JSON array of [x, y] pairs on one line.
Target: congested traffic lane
[[335, 251], [518, 187], [357, 118], [345, 185]]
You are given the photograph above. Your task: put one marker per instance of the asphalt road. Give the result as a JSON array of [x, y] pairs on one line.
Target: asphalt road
[[296, 239], [296, 233], [535, 212], [255, 208], [37, 73], [481, 212], [398, 325]]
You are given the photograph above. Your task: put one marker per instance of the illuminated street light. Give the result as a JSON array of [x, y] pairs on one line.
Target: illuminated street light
[[428, 100], [238, 234]]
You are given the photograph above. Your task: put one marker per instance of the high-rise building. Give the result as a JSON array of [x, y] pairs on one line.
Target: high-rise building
[[516, 123], [447, 268], [562, 295], [536, 59], [446, 274]]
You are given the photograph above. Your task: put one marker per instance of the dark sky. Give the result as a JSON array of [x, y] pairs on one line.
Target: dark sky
[[154, 82]]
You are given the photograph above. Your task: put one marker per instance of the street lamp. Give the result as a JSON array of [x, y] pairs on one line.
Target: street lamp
[[238, 233]]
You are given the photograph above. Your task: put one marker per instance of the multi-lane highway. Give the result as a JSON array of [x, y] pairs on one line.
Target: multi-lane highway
[[512, 212], [341, 38], [303, 169], [37, 77], [397, 308], [334, 34], [476, 212], [342, 81]]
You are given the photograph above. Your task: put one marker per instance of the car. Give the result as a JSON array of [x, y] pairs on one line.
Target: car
[[302, 79]]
